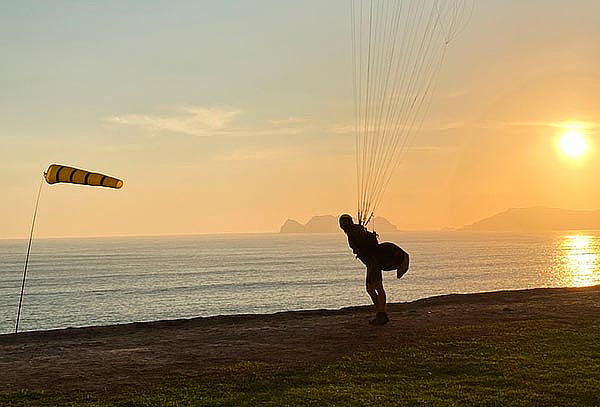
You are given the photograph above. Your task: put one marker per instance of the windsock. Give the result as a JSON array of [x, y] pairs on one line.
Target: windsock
[[61, 173]]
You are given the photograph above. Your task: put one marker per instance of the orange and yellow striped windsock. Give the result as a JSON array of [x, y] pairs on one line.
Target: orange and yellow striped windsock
[[61, 173]]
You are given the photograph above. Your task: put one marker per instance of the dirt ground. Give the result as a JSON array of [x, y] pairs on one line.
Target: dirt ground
[[114, 358]]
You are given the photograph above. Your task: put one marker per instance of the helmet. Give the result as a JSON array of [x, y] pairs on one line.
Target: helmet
[[346, 220]]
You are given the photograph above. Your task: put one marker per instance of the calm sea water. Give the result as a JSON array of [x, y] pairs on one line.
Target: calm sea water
[[80, 282]]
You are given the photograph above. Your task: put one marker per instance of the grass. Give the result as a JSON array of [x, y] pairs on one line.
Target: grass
[[559, 367]]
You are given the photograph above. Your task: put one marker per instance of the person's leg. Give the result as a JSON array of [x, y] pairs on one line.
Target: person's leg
[[372, 293], [371, 284], [381, 318], [381, 298], [377, 294]]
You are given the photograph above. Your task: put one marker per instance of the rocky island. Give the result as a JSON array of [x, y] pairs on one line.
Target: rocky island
[[329, 224]]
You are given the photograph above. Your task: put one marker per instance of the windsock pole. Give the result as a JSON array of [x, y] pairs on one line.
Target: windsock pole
[[37, 202]]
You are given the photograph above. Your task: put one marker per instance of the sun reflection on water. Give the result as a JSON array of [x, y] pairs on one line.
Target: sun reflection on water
[[582, 260]]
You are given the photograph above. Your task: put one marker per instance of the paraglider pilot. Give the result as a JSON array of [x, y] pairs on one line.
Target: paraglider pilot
[[377, 257]]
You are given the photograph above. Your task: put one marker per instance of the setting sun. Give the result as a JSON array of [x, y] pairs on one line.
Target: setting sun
[[573, 143]]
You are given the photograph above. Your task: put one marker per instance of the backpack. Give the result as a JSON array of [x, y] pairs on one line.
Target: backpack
[[371, 238]]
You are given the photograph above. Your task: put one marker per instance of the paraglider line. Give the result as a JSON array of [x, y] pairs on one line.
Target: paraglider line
[[37, 202]]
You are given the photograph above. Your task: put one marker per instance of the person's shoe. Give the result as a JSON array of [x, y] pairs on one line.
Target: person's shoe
[[380, 319]]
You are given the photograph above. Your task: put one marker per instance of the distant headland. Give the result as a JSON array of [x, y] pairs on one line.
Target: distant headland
[[538, 218], [329, 224], [531, 219]]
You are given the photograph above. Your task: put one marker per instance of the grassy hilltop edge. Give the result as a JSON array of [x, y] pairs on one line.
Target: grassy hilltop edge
[[509, 348]]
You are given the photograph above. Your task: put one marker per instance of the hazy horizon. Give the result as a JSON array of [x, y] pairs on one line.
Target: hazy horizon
[[460, 229], [231, 118]]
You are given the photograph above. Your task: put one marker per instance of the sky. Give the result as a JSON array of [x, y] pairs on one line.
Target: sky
[[230, 116]]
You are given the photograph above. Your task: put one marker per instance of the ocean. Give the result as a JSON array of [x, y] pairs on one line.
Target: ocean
[[98, 281]]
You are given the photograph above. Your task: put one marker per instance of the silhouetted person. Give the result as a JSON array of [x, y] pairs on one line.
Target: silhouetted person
[[377, 257]]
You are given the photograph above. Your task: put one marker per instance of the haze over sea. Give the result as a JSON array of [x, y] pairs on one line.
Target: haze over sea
[[98, 281]]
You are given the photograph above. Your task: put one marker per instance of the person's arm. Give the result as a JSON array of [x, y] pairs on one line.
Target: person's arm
[[352, 245], [355, 237]]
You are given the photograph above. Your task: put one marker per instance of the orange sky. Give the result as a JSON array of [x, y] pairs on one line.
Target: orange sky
[[226, 118]]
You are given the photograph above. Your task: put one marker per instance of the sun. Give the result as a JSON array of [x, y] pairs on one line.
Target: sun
[[573, 143]]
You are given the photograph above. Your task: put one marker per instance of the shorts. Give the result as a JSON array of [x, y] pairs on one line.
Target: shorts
[[374, 274]]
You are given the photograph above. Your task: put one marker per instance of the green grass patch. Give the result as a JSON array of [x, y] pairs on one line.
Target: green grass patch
[[547, 368]]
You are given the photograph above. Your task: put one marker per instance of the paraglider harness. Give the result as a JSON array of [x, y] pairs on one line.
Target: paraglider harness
[[372, 237], [364, 243], [377, 256]]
